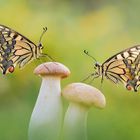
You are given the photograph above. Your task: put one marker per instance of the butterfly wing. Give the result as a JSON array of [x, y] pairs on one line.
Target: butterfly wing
[[15, 49], [118, 68], [135, 71]]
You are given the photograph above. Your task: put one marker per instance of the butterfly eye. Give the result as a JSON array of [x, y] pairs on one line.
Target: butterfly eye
[[96, 65], [40, 46]]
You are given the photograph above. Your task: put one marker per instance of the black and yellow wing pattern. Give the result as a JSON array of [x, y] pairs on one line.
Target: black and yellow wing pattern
[[122, 67], [15, 49]]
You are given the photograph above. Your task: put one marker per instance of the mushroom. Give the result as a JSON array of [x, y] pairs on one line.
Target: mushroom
[[46, 119], [81, 97]]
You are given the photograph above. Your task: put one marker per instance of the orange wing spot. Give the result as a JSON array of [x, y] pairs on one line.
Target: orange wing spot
[[11, 69], [128, 87]]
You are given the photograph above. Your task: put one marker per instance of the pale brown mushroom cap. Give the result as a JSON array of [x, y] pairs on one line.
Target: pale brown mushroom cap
[[84, 94], [52, 68]]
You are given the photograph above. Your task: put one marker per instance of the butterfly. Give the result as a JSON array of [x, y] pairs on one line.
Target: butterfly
[[135, 72], [16, 49], [122, 67]]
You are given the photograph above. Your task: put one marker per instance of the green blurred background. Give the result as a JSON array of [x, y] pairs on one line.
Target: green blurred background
[[103, 28]]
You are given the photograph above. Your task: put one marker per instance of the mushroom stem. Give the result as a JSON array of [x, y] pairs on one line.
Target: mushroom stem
[[75, 122], [81, 98], [46, 118]]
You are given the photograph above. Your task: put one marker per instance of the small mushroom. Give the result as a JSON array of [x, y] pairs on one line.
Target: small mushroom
[[46, 119], [81, 97]]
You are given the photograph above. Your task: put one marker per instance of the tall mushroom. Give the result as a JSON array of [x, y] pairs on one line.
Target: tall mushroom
[[81, 97], [46, 119]]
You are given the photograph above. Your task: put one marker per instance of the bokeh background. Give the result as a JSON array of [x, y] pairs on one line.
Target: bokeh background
[[101, 27]]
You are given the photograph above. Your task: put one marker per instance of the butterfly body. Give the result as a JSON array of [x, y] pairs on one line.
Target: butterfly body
[[16, 49], [122, 67]]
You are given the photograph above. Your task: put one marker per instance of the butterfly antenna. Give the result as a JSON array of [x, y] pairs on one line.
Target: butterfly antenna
[[44, 31], [88, 77], [86, 52], [46, 55]]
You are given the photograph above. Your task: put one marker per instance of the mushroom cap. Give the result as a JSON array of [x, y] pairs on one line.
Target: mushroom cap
[[84, 94], [52, 69]]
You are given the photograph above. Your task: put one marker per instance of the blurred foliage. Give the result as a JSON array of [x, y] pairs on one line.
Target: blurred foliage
[[103, 28]]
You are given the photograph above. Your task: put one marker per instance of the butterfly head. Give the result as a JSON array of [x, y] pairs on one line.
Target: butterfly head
[[40, 46], [97, 68], [39, 50]]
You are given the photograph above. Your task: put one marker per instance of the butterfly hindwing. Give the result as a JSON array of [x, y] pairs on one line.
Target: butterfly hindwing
[[122, 67]]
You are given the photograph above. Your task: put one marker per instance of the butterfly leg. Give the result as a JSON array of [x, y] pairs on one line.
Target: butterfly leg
[[94, 77], [43, 64], [102, 79], [46, 55], [87, 77]]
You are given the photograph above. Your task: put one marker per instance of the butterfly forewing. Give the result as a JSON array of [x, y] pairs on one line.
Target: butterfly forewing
[[15, 49]]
